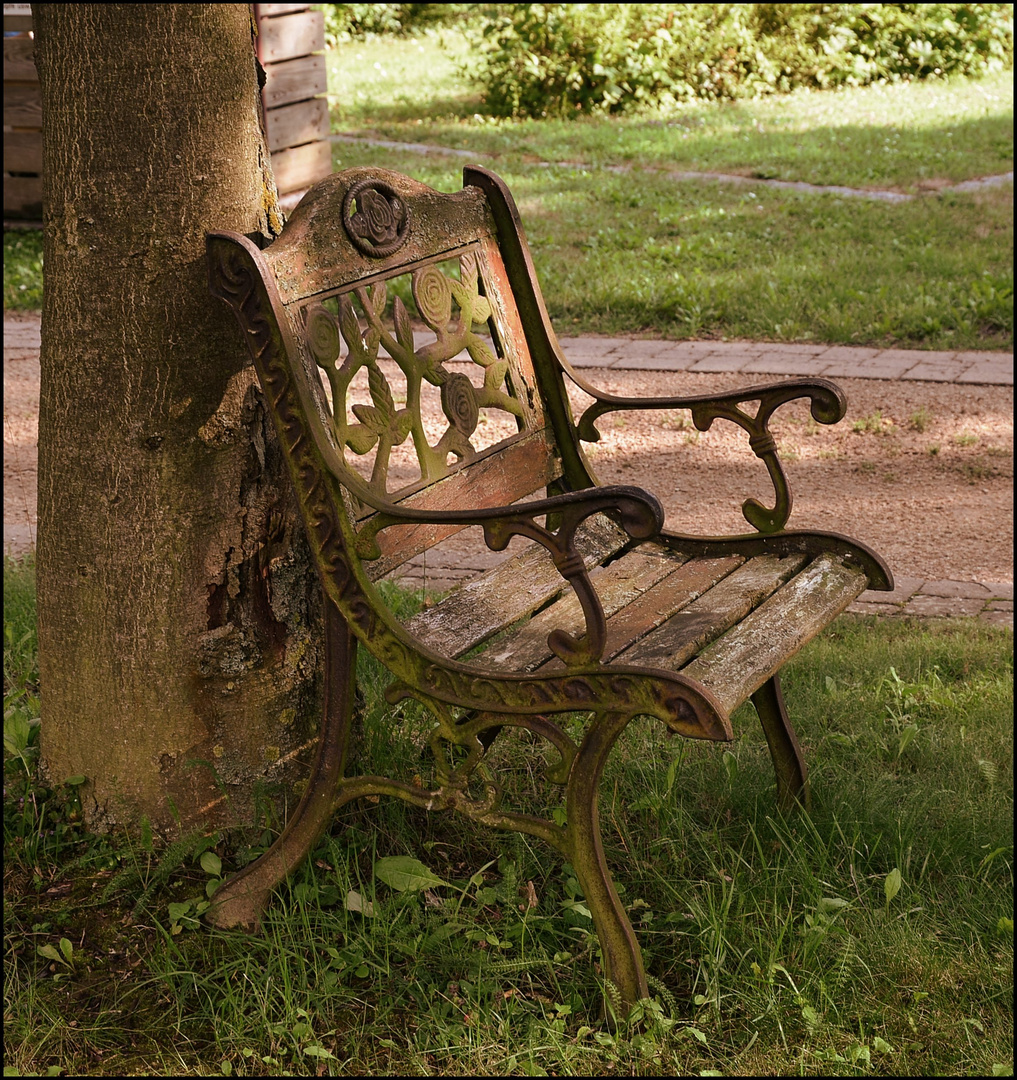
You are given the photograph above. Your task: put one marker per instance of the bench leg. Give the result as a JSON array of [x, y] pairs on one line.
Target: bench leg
[[241, 900], [623, 959], [788, 762]]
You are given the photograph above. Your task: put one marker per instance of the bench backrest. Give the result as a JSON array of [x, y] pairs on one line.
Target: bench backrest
[[386, 291]]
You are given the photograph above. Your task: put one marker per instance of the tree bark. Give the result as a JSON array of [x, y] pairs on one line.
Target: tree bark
[[178, 611]]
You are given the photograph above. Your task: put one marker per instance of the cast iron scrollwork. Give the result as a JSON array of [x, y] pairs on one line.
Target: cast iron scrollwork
[[828, 406], [382, 425], [455, 779]]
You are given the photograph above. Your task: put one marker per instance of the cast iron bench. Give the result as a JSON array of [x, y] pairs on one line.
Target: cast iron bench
[[606, 615]]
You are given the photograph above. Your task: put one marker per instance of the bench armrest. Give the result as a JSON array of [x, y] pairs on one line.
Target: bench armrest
[[637, 511], [828, 407]]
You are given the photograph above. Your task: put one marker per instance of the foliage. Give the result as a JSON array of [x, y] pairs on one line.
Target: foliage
[[344, 22], [23, 269], [874, 934], [569, 59]]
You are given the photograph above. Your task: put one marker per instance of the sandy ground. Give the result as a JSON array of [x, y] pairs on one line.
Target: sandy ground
[[928, 483]]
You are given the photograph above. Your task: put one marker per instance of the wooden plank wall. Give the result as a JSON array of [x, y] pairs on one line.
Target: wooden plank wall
[[291, 44], [22, 118]]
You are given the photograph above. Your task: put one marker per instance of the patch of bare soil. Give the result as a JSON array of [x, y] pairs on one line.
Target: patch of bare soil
[[922, 472]]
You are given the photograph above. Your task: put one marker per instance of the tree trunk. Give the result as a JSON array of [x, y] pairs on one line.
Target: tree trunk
[[178, 662]]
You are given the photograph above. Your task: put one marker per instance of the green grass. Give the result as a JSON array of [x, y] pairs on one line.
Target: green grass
[[879, 136], [700, 260], [23, 269], [873, 935], [639, 252]]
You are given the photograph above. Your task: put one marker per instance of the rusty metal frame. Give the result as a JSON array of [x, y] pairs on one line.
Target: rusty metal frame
[[471, 703]]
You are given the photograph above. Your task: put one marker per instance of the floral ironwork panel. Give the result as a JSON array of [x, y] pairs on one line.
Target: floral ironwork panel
[[409, 404]]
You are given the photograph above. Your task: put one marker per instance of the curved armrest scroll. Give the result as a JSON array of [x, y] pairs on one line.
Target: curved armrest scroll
[[828, 406], [637, 511]]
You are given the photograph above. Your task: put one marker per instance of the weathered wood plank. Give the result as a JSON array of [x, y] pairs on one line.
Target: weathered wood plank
[[499, 476], [509, 329], [294, 80], [737, 664], [688, 632], [19, 24], [294, 125], [23, 151], [19, 60], [301, 166], [23, 196], [287, 36], [617, 585], [510, 591], [675, 592], [22, 105]]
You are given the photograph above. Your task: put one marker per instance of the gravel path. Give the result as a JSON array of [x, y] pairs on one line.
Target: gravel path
[[927, 481]]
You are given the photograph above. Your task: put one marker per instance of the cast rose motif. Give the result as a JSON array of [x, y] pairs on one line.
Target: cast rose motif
[[380, 225]]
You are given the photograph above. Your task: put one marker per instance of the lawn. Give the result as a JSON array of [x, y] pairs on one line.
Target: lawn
[[623, 247], [637, 251], [873, 935]]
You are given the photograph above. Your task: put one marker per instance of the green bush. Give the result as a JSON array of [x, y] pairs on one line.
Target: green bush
[[567, 59], [343, 22]]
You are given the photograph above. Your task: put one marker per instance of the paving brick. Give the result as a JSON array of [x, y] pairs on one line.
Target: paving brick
[[581, 360], [923, 356], [886, 610], [735, 348], [982, 356], [730, 362], [21, 336], [935, 372], [664, 362], [645, 347], [1001, 590], [592, 346], [987, 375], [848, 353], [774, 364], [998, 618], [696, 349], [945, 606], [877, 368], [1000, 605], [779, 348], [903, 589], [973, 590]]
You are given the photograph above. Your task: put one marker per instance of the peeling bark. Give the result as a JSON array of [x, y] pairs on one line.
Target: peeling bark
[[178, 613]]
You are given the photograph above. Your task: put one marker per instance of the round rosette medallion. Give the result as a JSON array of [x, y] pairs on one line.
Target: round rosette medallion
[[376, 218]]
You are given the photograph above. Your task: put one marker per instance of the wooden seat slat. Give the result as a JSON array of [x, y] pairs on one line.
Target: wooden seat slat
[[739, 662], [673, 594], [617, 585], [685, 634], [508, 592]]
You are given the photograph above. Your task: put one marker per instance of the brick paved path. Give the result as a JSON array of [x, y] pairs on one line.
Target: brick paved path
[[989, 601]]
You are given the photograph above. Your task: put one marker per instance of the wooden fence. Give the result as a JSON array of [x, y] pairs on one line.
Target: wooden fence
[[290, 46], [291, 49], [22, 118]]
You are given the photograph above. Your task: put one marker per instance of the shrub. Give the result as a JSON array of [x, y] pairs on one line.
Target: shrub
[[564, 59], [344, 22]]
